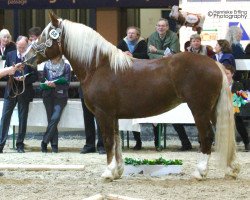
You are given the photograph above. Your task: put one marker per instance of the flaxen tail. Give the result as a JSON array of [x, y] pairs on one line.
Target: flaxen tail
[[225, 126]]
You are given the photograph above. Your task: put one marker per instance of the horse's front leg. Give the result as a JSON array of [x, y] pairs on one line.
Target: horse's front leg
[[111, 139]]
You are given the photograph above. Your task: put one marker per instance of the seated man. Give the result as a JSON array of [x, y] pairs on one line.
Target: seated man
[[134, 45]]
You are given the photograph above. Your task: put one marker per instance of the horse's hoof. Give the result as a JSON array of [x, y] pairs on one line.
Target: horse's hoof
[[118, 173], [232, 173], [196, 174], [120, 170], [202, 170], [108, 175]]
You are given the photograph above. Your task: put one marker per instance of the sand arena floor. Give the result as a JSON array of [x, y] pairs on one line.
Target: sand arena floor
[[76, 185]]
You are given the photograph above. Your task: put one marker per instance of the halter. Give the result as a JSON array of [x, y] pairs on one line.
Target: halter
[[54, 34]]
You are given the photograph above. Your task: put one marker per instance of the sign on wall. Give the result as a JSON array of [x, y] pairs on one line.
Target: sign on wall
[[56, 4], [218, 17]]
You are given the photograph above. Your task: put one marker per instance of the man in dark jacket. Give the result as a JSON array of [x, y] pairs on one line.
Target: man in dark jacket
[[135, 46], [23, 100]]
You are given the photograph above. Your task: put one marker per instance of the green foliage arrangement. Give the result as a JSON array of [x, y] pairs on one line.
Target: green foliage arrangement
[[159, 161]]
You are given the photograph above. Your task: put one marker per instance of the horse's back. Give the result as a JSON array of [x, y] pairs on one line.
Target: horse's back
[[197, 78]]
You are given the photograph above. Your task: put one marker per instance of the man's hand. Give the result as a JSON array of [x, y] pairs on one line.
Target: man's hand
[[19, 66], [152, 49]]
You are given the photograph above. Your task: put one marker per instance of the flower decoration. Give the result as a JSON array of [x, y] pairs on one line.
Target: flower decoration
[[239, 99], [159, 161]]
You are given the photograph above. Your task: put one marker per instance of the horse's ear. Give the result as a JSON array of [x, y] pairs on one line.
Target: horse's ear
[[54, 19]]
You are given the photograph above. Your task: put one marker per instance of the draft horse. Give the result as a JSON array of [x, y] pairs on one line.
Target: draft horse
[[118, 86]]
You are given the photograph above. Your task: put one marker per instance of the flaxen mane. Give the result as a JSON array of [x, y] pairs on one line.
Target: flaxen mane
[[84, 44]]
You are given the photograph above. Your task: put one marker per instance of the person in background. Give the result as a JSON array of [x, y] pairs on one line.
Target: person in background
[[55, 97], [135, 46], [247, 52], [22, 100], [223, 53], [163, 42], [6, 44], [34, 33], [90, 131], [233, 36], [237, 86], [197, 47]]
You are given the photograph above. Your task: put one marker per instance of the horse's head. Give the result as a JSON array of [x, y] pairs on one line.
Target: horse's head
[[48, 45]]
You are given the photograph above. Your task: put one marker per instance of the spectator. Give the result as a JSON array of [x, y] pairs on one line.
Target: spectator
[[233, 36], [223, 53], [55, 96], [6, 45], [163, 42], [197, 47], [89, 122], [22, 100], [34, 33], [237, 86], [135, 46]]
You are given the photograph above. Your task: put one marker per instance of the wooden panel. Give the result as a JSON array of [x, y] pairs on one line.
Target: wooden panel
[[107, 24]]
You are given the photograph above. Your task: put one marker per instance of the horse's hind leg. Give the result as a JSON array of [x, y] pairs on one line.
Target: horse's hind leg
[[118, 153], [205, 132], [109, 131]]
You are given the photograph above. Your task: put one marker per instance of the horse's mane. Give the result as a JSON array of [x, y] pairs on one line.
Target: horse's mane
[[85, 44]]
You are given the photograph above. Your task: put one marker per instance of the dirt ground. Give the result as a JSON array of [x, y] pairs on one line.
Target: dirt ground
[[76, 185]]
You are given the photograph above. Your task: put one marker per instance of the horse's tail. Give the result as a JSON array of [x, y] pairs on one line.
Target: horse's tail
[[225, 126]]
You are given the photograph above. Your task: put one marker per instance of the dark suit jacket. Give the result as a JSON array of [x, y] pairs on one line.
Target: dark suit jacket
[[9, 47], [28, 94], [227, 58], [140, 49], [237, 51]]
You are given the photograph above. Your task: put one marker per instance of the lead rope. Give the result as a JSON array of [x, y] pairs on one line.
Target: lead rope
[[14, 86]]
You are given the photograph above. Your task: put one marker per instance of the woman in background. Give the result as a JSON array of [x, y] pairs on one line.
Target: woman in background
[[6, 45], [55, 96], [223, 53]]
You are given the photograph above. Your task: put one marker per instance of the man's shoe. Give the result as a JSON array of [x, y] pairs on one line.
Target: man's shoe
[[101, 150], [185, 148], [54, 148], [44, 147], [247, 147], [87, 150], [137, 146], [20, 150], [1, 151]]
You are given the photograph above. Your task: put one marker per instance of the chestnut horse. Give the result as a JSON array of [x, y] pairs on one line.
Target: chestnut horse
[[118, 86]]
